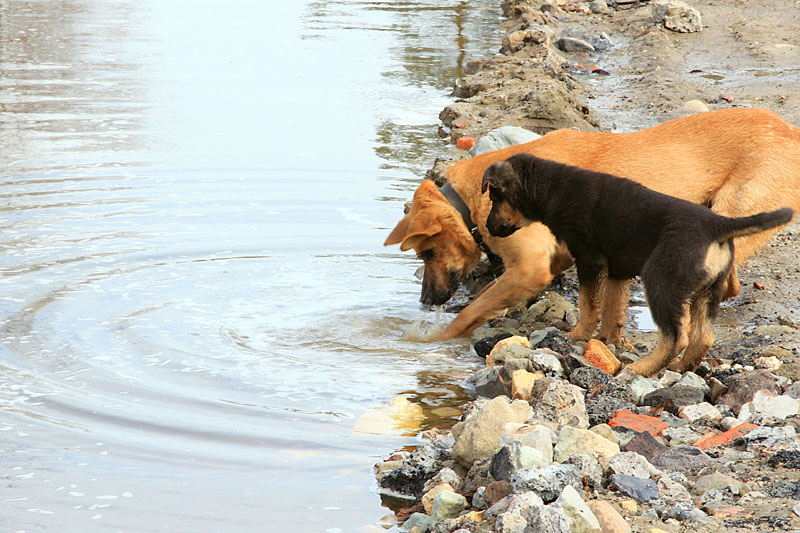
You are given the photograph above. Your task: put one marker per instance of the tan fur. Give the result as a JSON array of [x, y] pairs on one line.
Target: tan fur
[[717, 259], [738, 161]]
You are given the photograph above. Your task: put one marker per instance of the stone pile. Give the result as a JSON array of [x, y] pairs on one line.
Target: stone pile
[[554, 442]]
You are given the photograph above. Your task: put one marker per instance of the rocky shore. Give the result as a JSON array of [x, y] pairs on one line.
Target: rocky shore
[[553, 442]]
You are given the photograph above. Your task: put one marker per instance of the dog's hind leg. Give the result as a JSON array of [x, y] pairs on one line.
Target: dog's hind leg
[[671, 342], [613, 314], [704, 311], [591, 279]]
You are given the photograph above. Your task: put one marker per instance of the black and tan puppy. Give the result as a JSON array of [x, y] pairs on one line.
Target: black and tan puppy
[[617, 228]]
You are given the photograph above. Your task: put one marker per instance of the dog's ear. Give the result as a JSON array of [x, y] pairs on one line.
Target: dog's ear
[[410, 231]]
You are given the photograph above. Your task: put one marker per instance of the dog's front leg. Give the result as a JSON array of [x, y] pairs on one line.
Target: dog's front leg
[[591, 278], [614, 310], [515, 285]]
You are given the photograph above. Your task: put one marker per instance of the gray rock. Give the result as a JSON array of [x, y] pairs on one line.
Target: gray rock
[[512, 457], [631, 464], [502, 137], [512, 365], [589, 469], [562, 403], [553, 339], [598, 6], [421, 465], [673, 397], [682, 436], [645, 445], [685, 459], [690, 379], [515, 518], [641, 490], [641, 386], [547, 482], [550, 518], [717, 481], [547, 361], [742, 388], [488, 382], [445, 475], [677, 16], [539, 437], [672, 490], [421, 521], [479, 503]]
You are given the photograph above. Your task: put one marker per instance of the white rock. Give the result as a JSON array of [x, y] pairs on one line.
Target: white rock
[[699, 410], [770, 363], [767, 404], [581, 518]]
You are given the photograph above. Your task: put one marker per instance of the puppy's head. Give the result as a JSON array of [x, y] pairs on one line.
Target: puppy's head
[[503, 183], [434, 229]]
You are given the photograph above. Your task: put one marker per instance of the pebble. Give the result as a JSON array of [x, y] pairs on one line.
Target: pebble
[[447, 504], [581, 518], [575, 441], [631, 464], [502, 137], [609, 518], [547, 482], [563, 404], [641, 490], [482, 429]]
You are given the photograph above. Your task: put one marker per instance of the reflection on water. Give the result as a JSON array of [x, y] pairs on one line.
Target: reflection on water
[[195, 306]]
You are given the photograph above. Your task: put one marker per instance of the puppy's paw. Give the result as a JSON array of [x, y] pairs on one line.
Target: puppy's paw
[[645, 367], [578, 335]]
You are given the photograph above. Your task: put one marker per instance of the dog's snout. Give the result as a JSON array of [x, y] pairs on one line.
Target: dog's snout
[[437, 290]]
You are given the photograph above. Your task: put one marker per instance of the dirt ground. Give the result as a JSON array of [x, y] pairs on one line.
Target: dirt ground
[[747, 55]]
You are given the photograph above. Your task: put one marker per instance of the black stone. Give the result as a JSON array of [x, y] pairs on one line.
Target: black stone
[[641, 490], [485, 345], [645, 445], [671, 398]]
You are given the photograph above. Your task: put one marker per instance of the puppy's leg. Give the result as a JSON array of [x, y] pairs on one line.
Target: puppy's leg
[[614, 305], [704, 311], [591, 278], [515, 285], [671, 342]]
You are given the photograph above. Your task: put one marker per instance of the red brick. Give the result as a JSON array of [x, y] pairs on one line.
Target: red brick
[[711, 440], [639, 423], [465, 143]]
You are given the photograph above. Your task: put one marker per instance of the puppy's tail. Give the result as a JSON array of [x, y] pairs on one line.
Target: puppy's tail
[[730, 228]]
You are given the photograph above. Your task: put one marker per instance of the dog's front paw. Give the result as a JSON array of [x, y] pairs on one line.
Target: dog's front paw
[[644, 367], [578, 335]]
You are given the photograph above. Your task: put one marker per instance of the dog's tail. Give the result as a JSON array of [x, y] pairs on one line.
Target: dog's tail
[[730, 228]]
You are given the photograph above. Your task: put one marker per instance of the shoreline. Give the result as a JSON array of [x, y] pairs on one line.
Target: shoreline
[[579, 449]]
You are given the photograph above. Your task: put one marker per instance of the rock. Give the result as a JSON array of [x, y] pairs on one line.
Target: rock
[[465, 143], [553, 339], [546, 360], [445, 475], [641, 386], [669, 378], [670, 398], [677, 16], [522, 385], [488, 382], [427, 498], [562, 403], [512, 365], [767, 405], [512, 457], [479, 503], [484, 346], [773, 330], [605, 395], [422, 522], [483, 428], [638, 423], [515, 518], [598, 6], [597, 353], [504, 136], [771, 363], [589, 469], [548, 482], [701, 410], [609, 518], [694, 106], [641, 490], [550, 518], [645, 445], [447, 504], [534, 34], [496, 491], [685, 459], [421, 465], [536, 436], [717, 481], [571, 44], [710, 440], [631, 464], [742, 388], [681, 436], [510, 348], [690, 379], [581, 518], [575, 441]]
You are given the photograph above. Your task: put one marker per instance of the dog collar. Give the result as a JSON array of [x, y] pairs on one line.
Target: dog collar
[[458, 203]]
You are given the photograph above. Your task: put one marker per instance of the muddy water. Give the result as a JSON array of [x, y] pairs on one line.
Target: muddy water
[[195, 306]]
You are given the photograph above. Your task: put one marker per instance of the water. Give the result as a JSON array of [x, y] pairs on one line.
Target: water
[[195, 306]]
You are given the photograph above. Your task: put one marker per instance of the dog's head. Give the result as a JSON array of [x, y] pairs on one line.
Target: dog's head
[[503, 182], [435, 230]]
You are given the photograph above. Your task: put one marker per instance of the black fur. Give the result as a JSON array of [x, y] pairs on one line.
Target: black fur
[[618, 227]]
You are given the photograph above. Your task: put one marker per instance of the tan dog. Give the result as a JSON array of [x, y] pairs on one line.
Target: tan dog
[[736, 161]]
